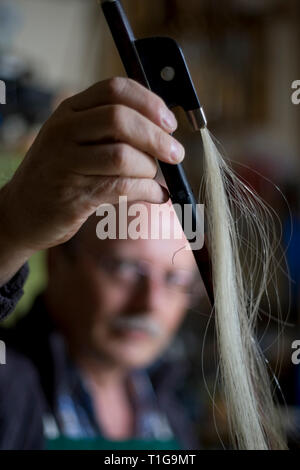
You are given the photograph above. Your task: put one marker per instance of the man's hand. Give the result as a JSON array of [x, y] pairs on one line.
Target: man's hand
[[97, 146]]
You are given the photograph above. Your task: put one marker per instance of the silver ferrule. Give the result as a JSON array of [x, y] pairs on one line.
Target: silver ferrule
[[197, 118]]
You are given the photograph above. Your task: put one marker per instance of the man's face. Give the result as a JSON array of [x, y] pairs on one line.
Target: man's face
[[126, 298]]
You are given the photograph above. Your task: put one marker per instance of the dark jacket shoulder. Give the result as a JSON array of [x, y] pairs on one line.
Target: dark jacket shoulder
[[20, 405]]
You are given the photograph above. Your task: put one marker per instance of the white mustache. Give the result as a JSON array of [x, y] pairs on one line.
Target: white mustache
[[139, 322]]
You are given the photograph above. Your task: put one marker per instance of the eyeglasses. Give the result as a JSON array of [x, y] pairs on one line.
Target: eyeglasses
[[132, 273]]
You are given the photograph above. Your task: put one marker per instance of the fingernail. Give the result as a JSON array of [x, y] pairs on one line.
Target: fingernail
[[177, 152], [169, 121], [165, 195]]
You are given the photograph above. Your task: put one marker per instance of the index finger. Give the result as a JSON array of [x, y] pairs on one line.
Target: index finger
[[126, 92]]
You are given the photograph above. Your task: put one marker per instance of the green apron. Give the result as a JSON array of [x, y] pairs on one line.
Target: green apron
[[99, 443]]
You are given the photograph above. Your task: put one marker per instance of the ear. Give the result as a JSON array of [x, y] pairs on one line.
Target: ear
[[55, 259], [51, 261], [199, 297]]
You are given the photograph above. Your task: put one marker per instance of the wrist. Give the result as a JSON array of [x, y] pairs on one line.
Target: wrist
[[13, 254]]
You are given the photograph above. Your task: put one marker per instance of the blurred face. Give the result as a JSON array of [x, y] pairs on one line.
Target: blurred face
[[125, 299]]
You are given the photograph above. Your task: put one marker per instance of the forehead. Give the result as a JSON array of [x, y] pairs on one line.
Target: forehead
[[163, 253], [161, 241]]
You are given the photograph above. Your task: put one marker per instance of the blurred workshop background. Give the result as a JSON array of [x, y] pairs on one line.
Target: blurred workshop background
[[243, 56]]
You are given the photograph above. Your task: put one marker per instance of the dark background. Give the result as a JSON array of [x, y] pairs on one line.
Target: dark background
[[243, 56]]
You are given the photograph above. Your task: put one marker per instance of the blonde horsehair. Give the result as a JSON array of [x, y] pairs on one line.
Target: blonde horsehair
[[253, 419]]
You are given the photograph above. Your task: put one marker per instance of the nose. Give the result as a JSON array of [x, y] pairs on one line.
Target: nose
[[149, 295]]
